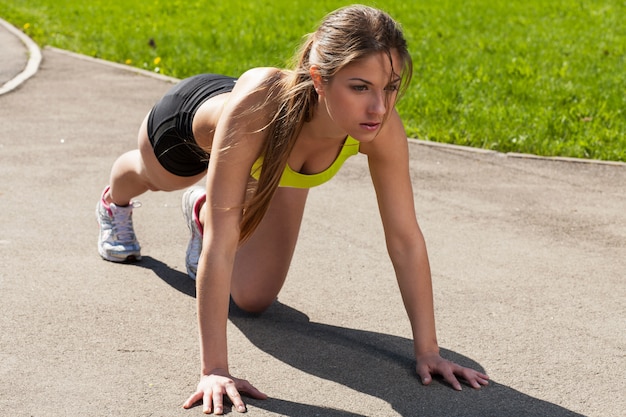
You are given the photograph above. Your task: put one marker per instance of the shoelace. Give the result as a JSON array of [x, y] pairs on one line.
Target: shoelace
[[123, 223]]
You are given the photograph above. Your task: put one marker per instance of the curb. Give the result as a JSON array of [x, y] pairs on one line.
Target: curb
[[34, 59], [516, 155]]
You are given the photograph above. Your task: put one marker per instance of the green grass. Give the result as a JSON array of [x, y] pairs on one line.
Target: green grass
[[533, 76]]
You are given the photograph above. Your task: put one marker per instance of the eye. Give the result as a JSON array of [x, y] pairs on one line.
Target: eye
[[392, 87], [360, 87]]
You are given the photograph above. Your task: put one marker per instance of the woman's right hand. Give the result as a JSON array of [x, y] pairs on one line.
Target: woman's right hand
[[212, 388]]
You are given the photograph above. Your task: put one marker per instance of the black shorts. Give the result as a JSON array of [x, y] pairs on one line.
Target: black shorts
[[170, 123]]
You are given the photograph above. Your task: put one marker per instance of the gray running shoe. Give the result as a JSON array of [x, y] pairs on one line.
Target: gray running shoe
[[191, 200], [117, 241]]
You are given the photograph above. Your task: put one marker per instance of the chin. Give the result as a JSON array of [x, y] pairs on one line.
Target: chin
[[365, 137]]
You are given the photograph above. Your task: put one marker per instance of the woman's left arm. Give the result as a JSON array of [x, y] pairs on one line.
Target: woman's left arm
[[388, 158]]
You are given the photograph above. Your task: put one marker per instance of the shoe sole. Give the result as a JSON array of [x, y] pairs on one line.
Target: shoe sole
[[132, 258]]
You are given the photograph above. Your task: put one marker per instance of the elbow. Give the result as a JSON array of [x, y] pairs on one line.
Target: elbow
[[406, 247]]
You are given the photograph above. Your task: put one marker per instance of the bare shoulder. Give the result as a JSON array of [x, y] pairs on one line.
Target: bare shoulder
[[250, 101], [256, 77], [255, 83]]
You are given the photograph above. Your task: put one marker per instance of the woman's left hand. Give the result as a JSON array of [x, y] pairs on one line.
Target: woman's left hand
[[430, 364]]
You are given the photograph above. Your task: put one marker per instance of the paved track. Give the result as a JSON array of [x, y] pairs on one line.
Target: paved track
[[528, 259]]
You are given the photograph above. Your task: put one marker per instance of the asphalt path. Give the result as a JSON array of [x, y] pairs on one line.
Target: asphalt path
[[528, 258]]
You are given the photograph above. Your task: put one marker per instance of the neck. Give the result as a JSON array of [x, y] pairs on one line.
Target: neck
[[322, 125]]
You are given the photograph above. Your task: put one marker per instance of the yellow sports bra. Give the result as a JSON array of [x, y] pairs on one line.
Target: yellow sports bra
[[294, 179]]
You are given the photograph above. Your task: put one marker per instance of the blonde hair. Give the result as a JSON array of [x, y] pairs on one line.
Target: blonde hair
[[344, 36]]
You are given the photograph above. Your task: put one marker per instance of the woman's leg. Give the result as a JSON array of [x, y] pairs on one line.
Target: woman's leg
[[138, 171], [262, 263], [133, 173]]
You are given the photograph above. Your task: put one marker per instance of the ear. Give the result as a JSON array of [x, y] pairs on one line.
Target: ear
[[318, 83]]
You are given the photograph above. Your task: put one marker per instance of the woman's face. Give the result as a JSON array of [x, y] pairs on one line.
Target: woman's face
[[361, 95]]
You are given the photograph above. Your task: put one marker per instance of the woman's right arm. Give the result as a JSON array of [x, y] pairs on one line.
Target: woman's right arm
[[236, 145]]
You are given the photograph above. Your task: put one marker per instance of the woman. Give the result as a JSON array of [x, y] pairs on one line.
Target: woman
[[262, 140]]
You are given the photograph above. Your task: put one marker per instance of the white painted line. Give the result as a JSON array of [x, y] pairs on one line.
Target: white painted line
[[34, 59]]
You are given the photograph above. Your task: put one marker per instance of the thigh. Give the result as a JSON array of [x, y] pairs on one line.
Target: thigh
[[262, 263], [158, 178]]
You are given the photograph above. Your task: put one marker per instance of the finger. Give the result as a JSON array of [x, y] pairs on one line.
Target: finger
[[218, 402], [450, 378], [206, 402], [477, 382], [482, 376], [250, 390], [474, 379], [235, 398], [480, 380], [194, 398], [424, 375]]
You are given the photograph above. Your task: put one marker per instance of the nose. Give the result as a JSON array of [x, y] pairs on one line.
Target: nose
[[378, 103]]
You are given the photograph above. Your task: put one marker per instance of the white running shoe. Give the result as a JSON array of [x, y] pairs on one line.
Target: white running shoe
[[192, 199], [116, 241]]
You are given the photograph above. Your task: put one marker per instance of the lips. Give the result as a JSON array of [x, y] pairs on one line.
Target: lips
[[371, 126]]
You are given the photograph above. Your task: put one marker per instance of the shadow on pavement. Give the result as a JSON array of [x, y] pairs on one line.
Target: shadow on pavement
[[180, 281], [376, 364]]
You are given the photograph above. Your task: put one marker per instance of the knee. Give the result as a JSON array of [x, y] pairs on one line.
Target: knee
[[251, 304]]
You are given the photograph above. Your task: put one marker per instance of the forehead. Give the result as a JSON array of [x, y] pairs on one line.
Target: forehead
[[376, 66]]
